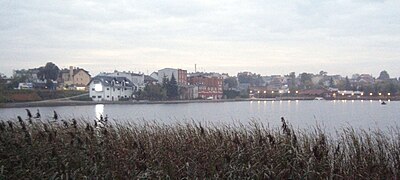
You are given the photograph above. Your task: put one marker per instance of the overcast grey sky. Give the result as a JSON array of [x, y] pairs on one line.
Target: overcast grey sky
[[267, 37]]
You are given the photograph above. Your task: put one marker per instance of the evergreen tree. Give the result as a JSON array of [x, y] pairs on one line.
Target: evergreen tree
[[331, 82], [347, 84], [384, 75], [172, 88]]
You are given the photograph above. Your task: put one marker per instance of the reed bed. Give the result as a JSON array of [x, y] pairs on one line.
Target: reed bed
[[70, 149]]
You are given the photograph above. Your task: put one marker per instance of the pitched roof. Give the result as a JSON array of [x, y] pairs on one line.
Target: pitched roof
[[112, 81], [149, 78], [76, 71]]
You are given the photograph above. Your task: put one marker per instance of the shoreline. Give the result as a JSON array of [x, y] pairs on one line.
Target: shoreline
[[83, 103]]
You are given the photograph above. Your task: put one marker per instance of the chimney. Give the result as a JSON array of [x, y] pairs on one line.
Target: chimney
[[71, 74]]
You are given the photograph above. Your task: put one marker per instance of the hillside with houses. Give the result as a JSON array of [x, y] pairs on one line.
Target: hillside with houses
[[179, 84]]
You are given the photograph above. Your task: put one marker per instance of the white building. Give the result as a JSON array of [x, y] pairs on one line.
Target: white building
[[109, 88], [25, 86]]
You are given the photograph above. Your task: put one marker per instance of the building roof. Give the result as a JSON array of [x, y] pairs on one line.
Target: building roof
[[149, 78], [76, 71], [113, 81]]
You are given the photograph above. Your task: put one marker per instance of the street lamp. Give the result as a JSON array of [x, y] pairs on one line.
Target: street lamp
[[380, 94], [388, 94], [370, 94]]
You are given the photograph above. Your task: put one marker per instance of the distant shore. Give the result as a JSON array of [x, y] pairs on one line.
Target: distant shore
[[82, 103]]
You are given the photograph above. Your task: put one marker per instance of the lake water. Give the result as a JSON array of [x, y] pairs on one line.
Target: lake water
[[301, 114]]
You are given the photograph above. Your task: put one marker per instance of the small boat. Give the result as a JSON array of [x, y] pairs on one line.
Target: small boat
[[319, 98], [383, 103]]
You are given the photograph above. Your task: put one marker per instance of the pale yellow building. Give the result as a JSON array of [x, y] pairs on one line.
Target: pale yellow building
[[74, 78]]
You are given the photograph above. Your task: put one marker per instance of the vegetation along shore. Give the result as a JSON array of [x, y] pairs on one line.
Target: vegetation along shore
[[36, 148]]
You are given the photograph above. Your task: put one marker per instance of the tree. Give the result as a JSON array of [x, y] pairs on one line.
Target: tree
[[49, 72], [165, 82], [347, 84], [306, 81], [2, 81], [231, 82], [153, 92], [384, 75], [292, 83], [15, 81], [172, 88], [331, 82], [323, 73]]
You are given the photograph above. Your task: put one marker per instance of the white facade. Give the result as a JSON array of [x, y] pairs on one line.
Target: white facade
[[108, 88]]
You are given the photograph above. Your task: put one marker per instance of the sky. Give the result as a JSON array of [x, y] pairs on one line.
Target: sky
[[262, 36]]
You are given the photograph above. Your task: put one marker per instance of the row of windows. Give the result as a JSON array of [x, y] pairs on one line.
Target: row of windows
[[114, 89], [109, 96]]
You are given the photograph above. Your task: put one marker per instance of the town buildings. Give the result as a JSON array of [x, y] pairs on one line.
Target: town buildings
[[31, 75], [110, 88]]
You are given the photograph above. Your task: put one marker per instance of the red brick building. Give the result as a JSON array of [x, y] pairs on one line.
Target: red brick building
[[182, 77], [209, 85]]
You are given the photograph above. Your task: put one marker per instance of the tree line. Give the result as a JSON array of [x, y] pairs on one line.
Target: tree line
[[168, 90]]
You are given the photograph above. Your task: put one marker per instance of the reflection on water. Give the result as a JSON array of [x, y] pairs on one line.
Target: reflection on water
[[99, 110]]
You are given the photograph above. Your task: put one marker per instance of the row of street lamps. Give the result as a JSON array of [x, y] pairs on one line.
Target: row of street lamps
[[362, 94], [272, 92]]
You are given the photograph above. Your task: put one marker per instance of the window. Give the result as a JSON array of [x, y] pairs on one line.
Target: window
[[98, 96], [93, 96], [119, 89], [92, 89], [126, 89], [108, 96], [108, 88]]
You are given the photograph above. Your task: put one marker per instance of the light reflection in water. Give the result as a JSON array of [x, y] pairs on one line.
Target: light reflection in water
[[99, 110]]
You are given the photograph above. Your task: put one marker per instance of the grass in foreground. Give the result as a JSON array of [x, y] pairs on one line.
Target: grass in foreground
[[68, 149]]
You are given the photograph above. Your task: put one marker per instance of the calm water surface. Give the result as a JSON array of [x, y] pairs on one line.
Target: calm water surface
[[301, 114]]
